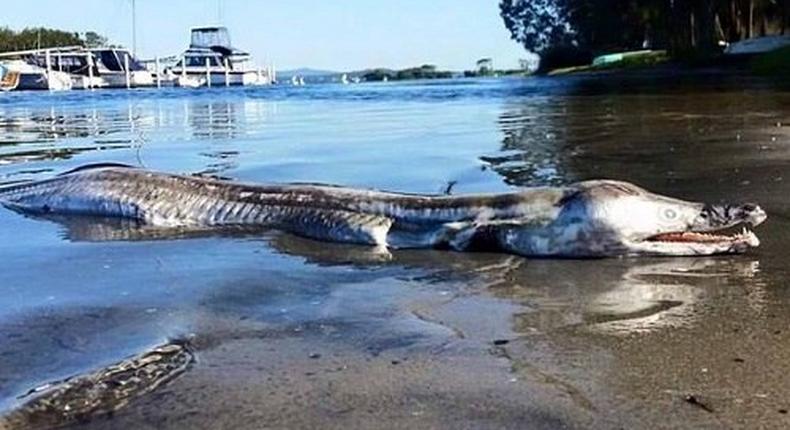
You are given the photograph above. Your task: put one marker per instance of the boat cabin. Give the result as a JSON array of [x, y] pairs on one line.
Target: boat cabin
[[114, 60]]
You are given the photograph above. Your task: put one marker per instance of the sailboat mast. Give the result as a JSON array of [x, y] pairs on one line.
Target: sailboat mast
[[134, 29]]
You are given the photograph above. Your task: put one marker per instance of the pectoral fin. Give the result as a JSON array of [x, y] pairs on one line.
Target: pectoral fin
[[485, 235], [459, 235], [339, 226]]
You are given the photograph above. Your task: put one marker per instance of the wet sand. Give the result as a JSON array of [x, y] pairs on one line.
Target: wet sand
[[501, 342], [292, 333]]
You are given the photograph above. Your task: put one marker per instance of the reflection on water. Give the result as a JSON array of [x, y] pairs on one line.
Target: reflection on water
[[125, 127], [665, 294], [212, 120], [619, 296], [540, 138], [533, 150], [653, 140]]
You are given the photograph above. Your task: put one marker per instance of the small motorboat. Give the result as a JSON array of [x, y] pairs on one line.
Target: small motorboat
[[19, 75]]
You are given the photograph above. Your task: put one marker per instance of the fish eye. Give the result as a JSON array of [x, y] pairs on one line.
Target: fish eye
[[670, 214]]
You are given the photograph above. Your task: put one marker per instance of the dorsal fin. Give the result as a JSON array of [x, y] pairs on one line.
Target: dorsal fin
[[95, 166]]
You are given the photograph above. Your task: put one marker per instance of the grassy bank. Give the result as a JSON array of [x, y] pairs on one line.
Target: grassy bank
[[619, 61], [771, 64]]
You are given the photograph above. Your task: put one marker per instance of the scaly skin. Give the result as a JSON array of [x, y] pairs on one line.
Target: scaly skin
[[587, 219]]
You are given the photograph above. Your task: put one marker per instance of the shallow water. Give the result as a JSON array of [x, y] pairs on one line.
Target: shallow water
[[292, 332]]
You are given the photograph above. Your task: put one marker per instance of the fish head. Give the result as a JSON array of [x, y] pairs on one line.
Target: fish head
[[637, 222]]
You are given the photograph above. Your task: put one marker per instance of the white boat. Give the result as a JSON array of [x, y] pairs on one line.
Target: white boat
[[19, 75], [210, 60], [117, 66], [96, 68], [99, 68], [757, 45], [74, 61]]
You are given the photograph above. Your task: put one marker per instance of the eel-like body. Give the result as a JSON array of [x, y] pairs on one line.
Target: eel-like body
[[545, 221], [316, 211]]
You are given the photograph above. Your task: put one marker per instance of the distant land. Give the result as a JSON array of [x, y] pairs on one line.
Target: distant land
[[306, 72], [425, 71], [368, 75]]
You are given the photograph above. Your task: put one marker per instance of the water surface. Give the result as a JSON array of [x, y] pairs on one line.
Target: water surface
[[292, 332]]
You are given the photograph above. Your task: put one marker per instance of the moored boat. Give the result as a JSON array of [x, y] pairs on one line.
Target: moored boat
[[757, 45], [119, 68], [73, 67], [19, 75], [210, 60], [99, 68]]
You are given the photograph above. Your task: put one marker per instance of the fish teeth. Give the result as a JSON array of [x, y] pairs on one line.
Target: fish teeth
[[752, 239], [747, 236]]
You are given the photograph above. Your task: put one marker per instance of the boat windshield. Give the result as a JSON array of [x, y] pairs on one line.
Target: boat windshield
[[200, 61], [113, 60], [110, 61], [210, 36]]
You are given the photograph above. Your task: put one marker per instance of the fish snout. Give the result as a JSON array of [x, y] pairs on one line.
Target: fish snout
[[718, 216], [754, 214]]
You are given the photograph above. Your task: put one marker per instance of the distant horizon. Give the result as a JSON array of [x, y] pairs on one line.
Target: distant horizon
[[348, 35], [327, 71]]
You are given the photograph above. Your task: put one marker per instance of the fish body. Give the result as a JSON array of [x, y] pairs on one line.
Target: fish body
[[566, 221]]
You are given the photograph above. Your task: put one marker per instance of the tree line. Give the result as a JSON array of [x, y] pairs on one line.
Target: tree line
[[40, 37], [426, 71], [682, 27]]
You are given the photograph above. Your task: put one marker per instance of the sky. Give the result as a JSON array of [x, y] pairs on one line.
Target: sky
[[339, 35]]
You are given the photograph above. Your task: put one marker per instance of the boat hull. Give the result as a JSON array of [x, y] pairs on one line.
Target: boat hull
[[57, 81], [219, 79]]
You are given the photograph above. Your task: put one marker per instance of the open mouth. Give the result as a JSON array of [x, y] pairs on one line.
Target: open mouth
[[721, 236]]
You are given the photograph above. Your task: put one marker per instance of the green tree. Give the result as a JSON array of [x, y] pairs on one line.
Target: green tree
[[681, 26], [537, 24], [94, 40], [40, 37], [33, 38]]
